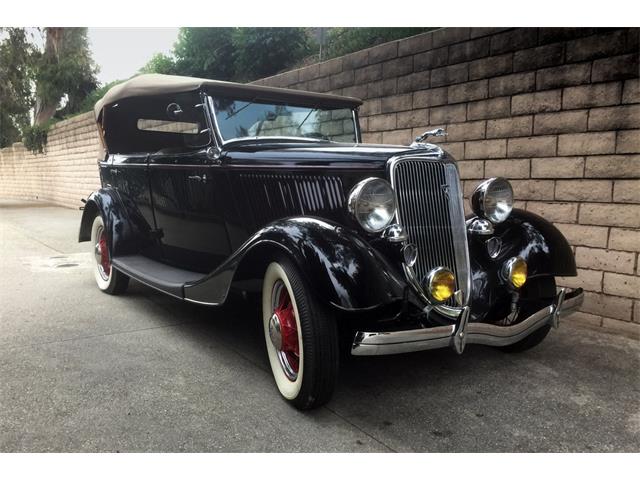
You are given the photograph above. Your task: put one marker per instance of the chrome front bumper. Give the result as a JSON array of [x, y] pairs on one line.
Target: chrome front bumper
[[463, 332]]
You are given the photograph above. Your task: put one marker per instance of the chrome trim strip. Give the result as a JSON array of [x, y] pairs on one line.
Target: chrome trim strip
[[459, 227], [463, 333], [356, 124]]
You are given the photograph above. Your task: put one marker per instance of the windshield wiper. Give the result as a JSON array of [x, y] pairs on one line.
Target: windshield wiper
[[237, 112], [305, 118]]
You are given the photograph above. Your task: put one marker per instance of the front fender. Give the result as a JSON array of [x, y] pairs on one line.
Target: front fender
[[524, 234], [540, 243], [339, 266]]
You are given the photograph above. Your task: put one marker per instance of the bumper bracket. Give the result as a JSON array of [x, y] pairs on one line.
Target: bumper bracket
[[464, 332]]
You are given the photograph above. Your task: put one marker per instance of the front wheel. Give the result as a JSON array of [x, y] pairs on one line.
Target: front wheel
[[538, 292], [109, 279], [301, 337]]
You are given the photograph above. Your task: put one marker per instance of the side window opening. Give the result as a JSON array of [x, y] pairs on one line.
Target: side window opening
[[168, 126], [154, 124]]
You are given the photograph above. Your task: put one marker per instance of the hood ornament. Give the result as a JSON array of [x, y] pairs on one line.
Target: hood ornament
[[419, 141]]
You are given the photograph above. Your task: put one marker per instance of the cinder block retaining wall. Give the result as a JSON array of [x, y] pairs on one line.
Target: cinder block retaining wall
[[63, 175], [554, 110]]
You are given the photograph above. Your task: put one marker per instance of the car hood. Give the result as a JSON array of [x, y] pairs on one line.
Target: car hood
[[324, 153]]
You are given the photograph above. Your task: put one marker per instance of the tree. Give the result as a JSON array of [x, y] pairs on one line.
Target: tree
[[241, 54], [205, 52], [16, 70], [65, 70], [260, 52], [160, 63], [341, 41], [36, 82], [90, 100]]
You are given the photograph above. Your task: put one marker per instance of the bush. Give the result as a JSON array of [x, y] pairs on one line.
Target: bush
[[35, 137]]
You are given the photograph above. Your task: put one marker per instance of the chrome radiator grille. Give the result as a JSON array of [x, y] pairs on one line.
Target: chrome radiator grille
[[430, 209]]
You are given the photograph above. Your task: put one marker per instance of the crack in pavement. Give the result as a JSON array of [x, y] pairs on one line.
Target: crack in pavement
[[88, 337], [37, 240]]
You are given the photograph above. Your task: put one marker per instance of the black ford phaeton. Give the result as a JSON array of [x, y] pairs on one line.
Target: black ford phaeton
[[206, 184]]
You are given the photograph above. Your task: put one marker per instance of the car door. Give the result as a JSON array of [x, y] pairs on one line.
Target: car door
[[185, 192], [128, 173]]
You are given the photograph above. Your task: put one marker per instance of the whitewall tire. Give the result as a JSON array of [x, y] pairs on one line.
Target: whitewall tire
[[301, 337], [108, 279]]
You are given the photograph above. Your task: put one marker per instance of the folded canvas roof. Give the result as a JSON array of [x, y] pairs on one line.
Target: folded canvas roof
[[156, 84]]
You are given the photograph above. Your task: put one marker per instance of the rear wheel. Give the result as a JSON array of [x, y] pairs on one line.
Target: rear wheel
[[537, 293], [301, 338], [109, 279]]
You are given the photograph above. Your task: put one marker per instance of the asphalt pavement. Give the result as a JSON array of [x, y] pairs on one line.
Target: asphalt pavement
[[83, 371]]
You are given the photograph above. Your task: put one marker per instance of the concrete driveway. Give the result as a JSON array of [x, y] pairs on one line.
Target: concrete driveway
[[84, 371]]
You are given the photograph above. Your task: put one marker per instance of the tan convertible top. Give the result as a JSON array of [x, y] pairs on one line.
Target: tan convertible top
[[156, 84]]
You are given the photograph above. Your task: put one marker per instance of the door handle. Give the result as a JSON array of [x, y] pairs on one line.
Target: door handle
[[114, 171], [198, 178]]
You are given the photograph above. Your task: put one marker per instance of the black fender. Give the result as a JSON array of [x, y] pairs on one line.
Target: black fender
[[540, 243], [124, 234], [523, 234], [342, 268]]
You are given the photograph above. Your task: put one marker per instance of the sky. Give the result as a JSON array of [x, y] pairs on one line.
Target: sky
[[121, 52]]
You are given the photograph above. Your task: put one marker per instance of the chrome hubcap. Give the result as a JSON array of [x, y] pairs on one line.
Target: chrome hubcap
[[283, 331], [98, 253], [101, 253], [274, 332]]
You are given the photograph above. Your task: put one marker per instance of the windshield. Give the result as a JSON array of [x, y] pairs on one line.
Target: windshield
[[239, 119]]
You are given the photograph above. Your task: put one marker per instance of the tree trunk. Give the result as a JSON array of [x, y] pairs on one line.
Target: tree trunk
[[46, 107]]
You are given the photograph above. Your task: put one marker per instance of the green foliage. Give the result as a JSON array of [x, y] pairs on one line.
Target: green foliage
[[160, 63], [205, 52], [240, 54], [35, 82], [341, 41], [260, 52], [34, 137], [65, 69], [16, 71], [95, 95]]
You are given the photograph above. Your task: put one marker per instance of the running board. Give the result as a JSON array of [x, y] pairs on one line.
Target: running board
[[163, 277]]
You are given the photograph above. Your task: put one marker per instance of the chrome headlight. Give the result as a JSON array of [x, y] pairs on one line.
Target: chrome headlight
[[373, 204], [493, 199]]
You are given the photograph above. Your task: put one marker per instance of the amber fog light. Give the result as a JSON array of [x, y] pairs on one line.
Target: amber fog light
[[440, 284], [515, 271]]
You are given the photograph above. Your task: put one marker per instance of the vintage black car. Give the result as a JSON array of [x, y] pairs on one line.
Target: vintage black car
[[365, 248]]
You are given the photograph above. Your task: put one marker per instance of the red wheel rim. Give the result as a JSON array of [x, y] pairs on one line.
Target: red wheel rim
[[283, 330]]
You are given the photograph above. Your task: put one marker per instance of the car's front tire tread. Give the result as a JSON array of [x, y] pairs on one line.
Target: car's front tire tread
[[319, 343]]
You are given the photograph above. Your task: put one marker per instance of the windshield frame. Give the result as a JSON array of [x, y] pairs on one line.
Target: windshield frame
[[220, 139]]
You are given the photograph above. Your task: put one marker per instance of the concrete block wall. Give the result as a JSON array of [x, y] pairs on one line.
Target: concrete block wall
[[64, 174], [555, 110]]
